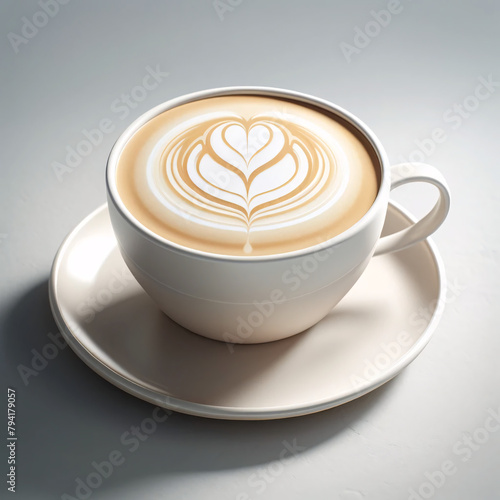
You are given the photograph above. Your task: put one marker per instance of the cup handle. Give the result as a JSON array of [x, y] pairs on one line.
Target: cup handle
[[404, 173]]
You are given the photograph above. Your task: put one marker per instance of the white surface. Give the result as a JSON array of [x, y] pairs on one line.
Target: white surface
[[73, 75], [363, 343]]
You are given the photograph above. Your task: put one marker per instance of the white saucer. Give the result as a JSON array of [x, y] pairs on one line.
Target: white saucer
[[378, 328]]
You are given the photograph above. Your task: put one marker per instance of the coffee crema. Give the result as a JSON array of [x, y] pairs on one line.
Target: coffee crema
[[246, 175]]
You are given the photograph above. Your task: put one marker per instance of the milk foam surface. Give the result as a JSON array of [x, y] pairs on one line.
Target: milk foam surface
[[246, 175]]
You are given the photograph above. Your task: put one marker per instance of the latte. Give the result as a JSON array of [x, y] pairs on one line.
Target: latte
[[247, 175]]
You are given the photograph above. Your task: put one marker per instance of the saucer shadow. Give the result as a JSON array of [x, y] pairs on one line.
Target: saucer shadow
[[134, 339], [67, 409]]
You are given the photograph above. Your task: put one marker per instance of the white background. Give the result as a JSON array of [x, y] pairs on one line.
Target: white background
[[71, 73]]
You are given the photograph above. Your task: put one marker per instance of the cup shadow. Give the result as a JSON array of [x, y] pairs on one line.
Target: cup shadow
[[68, 409]]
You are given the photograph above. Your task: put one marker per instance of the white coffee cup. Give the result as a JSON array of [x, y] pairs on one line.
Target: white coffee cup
[[253, 299]]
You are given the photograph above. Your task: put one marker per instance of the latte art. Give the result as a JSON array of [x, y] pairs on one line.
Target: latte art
[[245, 170], [245, 175]]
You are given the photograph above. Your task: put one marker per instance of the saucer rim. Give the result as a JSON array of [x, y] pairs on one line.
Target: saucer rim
[[152, 396]]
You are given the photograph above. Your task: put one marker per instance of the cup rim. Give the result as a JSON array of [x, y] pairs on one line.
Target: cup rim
[[299, 97]]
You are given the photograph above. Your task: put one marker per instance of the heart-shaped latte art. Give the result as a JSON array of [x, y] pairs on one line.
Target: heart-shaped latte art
[[247, 170]]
